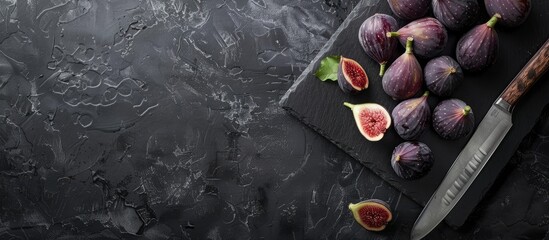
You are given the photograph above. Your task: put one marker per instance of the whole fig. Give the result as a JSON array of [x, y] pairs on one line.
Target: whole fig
[[409, 9], [351, 77], [442, 75], [372, 120], [429, 35], [453, 119], [513, 12], [478, 48], [456, 14], [410, 117], [372, 39], [372, 214], [404, 77], [412, 160]]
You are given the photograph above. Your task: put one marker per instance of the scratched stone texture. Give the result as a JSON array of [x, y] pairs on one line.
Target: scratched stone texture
[[159, 119]]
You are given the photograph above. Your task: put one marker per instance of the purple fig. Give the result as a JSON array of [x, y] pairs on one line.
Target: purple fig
[[513, 12], [429, 35], [453, 119], [409, 9], [372, 38], [456, 14], [404, 77], [442, 75], [478, 48], [372, 119], [412, 160], [351, 77], [410, 117]]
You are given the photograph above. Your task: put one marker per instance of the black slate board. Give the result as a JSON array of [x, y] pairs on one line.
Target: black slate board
[[319, 104]]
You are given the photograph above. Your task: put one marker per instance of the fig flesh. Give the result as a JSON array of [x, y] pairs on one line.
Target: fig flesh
[[412, 160], [372, 214], [429, 35], [372, 120], [443, 75], [351, 77], [404, 77], [409, 9], [513, 12], [372, 39], [456, 15], [478, 49], [410, 117], [453, 119]]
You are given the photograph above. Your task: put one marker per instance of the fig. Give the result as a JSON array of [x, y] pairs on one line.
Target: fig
[[429, 35], [371, 119], [412, 160], [512, 12], [410, 117], [372, 214], [478, 48], [372, 39], [404, 77], [443, 75], [456, 15], [351, 77], [409, 9], [453, 119]]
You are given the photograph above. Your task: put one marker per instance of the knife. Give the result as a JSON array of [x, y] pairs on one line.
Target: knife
[[484, 142]]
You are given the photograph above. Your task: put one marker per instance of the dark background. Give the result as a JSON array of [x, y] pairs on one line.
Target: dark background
[[160, 120]]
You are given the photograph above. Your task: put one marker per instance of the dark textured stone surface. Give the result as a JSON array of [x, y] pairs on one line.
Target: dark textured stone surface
[[159, 120]]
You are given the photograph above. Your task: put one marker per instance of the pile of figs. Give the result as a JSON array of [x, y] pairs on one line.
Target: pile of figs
[[422, 68]]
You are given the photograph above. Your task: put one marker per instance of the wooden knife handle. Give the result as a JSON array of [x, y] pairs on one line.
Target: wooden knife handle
[[529, 74]]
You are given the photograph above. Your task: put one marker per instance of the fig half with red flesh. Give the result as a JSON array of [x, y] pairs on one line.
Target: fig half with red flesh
[[372, 120], [351, 77], [372, 214]]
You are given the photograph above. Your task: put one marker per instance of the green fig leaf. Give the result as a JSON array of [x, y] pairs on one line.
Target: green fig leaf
[[328, 68]]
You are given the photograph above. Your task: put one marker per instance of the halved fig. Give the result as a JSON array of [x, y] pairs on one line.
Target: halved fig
[[453, 119], [372, 214], [351, 77], [372, 120]]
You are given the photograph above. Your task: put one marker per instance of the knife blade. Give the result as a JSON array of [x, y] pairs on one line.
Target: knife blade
[[489, 134]]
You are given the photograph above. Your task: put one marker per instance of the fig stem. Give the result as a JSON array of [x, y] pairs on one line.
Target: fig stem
[[426, 94], [466, 110], [351, 206], [409, 42], [493, 20], [382, 68], [392, 34], [349, 105]]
